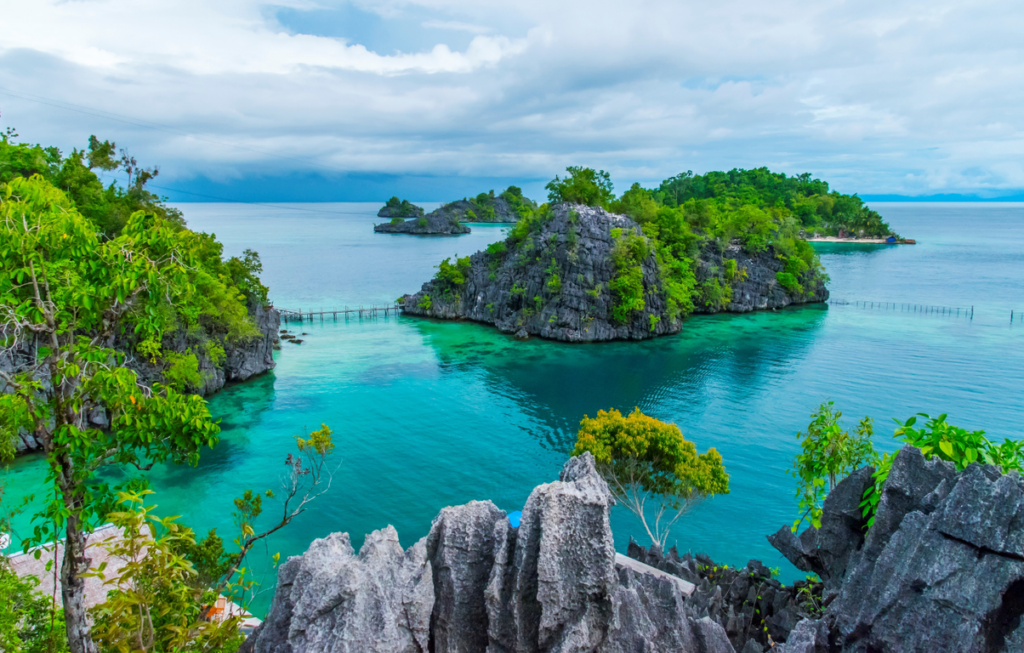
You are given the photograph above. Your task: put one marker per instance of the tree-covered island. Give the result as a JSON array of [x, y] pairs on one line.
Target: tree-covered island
[[590, 266]]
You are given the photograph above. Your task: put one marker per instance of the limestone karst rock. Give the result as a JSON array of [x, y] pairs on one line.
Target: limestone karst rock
[[557, 282], [941, 569], [475, 584]]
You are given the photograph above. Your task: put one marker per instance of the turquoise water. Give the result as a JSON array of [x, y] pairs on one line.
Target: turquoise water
[[428, 414]]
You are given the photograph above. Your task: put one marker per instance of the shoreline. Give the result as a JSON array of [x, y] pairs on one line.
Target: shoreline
[[862, 241]]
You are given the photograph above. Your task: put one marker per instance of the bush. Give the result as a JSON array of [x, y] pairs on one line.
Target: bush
[[644, 459], [828, 455], [582, 186]]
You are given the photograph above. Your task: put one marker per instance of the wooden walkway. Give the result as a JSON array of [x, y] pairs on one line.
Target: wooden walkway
[[955, 311], [288, 315]]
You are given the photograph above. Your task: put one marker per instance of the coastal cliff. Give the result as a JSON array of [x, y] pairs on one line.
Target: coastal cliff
[[565, 279], [242, 360], [475, 583], [508, 206]]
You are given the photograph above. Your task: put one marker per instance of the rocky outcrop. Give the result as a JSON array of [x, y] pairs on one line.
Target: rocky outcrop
[[756, 610], [941, 569], [243, 359], [557, 282], [476, 584], [399, 209], [433, 224], [484, 209]]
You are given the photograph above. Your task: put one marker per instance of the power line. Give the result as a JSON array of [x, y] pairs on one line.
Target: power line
[[99, 113]]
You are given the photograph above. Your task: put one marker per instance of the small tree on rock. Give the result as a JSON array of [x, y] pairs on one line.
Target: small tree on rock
[[650, 466]]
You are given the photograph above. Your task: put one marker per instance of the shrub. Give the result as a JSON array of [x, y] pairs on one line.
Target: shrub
[[425, 302], [582, 186], [648, 463], [828, 454]]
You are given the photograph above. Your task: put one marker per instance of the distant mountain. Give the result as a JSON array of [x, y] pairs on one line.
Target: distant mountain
[[943, 197]]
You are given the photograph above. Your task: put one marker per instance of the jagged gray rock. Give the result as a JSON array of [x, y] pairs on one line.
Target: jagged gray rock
[[941, 569], [329, 599], [557, 283], [460, 548], [432, 224], [493, 209], [549, 586]]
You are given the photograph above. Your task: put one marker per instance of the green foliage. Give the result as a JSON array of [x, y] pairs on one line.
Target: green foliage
[[244, 273], [789, 282], [497, 249], [154, 603], [422, 222], [582, 186], [730, 269], [715, 295], [828, 454], [644, 459], [946, 442], [182, 372], [28, 621], [425, 302], [629, 250], [554, 284], [397, 220], [451, 275], [808, 200]]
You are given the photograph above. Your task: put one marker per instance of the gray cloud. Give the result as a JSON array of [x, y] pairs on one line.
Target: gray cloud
[[876, 97]]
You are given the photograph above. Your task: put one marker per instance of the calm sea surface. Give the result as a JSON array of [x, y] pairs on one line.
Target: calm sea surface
[[430, 414]]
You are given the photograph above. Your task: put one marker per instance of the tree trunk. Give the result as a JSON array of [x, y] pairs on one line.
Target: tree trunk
[[73, 589]]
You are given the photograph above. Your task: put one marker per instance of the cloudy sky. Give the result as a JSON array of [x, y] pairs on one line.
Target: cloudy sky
[[325, 100]]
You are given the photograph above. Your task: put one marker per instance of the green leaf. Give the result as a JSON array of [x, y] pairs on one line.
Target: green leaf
[[946, 447]]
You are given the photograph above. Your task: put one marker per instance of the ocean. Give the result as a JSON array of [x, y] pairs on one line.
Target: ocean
[[428, 414]]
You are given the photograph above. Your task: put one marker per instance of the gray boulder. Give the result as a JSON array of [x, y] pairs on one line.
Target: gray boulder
[[329, 599]]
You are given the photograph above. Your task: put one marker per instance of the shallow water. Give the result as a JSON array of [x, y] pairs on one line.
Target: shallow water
[[428, 414]]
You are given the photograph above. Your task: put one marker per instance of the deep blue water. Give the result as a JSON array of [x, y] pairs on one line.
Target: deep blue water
[[428, 414]]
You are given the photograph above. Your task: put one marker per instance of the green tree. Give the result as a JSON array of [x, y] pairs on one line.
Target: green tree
[[828, 455], [64, 294], [582, 186], [649, 464], [153, 603]]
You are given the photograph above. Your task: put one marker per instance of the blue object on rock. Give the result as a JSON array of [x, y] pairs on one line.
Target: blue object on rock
[[514, 517]]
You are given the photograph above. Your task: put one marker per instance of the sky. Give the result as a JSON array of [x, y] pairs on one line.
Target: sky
[[304, 100]]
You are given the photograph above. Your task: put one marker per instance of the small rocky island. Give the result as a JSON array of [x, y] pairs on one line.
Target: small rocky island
[[396, 208], [432, 224], [508, 206], [581, 274], [940, 569]]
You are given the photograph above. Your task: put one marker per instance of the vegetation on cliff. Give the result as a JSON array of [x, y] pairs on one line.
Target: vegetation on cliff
[[396, 209], [507, 206], [693, 257], [829, 454], [90, 276]]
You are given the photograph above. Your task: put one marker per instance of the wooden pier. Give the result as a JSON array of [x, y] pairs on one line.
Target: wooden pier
[[288, 315], [955, 311]]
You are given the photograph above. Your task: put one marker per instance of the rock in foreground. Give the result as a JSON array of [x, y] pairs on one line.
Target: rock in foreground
[[558, 280], [475, 584], [941, 569]]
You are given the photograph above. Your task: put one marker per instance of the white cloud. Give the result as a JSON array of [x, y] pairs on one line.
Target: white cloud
[[875, 96], [456, 26]]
